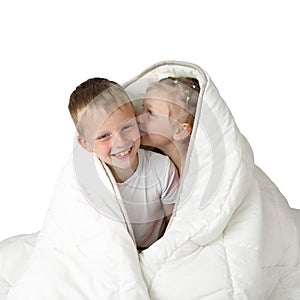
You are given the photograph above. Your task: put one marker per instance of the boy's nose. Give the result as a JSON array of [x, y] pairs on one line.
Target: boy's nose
[[121, 141]]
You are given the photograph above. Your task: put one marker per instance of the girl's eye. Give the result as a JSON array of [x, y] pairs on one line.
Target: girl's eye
[[147, 111], [151, 113]]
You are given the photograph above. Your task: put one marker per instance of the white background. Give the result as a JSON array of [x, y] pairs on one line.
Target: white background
[[249, 48]]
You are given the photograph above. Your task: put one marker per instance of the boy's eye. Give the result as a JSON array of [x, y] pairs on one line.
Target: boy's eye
[[103, 137], [127, 126]]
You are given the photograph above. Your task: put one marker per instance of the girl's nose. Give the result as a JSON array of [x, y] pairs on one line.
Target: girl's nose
[[140, 118]]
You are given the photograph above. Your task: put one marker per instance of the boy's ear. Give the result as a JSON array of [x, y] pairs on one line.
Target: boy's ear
[[182, 131], [83, 142]]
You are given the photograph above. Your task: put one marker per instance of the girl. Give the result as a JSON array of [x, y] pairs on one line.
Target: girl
[[167, 118]]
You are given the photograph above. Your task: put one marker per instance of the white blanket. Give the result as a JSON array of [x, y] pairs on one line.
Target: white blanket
[[233, 235]]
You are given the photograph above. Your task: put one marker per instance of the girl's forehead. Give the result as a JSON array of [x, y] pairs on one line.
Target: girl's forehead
[[160, 93], [164, 93], [156, 98], [162, 100], [158, 104]]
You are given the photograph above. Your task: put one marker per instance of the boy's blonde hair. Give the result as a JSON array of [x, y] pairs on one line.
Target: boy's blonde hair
[[185, 92], [92, 95]]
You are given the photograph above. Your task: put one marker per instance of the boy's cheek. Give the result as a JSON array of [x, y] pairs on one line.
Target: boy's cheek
[[137, 139], [136, 135]]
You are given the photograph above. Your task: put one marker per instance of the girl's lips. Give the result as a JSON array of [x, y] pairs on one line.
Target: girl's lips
[[142, 132]]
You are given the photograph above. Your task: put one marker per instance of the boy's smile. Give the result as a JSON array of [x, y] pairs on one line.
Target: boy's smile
[[123, 154]]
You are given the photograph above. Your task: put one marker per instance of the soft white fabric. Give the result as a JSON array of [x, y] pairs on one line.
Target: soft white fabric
[[15, 253], [154, 183], [233, 235]]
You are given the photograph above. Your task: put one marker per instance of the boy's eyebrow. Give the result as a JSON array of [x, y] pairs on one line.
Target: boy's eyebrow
[[125, 122]]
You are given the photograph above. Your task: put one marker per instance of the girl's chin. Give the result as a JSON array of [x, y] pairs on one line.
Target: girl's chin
[[154, 140], [146, 141]]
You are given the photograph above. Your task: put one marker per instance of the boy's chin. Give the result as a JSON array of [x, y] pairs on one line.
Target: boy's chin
[[128, 163], [123, 171]]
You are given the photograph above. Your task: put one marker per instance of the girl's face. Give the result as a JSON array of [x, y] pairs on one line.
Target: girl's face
[[156, 125]]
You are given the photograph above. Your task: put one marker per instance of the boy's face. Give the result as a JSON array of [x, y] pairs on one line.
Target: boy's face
[[117, 139]]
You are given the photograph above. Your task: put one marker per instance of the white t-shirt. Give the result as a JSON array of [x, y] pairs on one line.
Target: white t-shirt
[[154, 184]]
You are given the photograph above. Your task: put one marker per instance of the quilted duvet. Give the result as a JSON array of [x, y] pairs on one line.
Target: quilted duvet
[[232, 235]]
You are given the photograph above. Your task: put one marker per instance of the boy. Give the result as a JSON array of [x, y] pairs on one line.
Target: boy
[[148, 182]]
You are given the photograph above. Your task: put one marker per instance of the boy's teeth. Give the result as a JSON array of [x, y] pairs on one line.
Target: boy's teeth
[[122, 153]]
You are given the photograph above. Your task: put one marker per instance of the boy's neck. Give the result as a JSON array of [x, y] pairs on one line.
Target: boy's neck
[[121, 175]]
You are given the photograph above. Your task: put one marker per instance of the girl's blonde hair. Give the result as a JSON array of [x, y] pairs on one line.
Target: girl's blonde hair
[[185, 92]]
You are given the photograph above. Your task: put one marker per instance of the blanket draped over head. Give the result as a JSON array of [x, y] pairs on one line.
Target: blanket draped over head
[[232, 235]]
